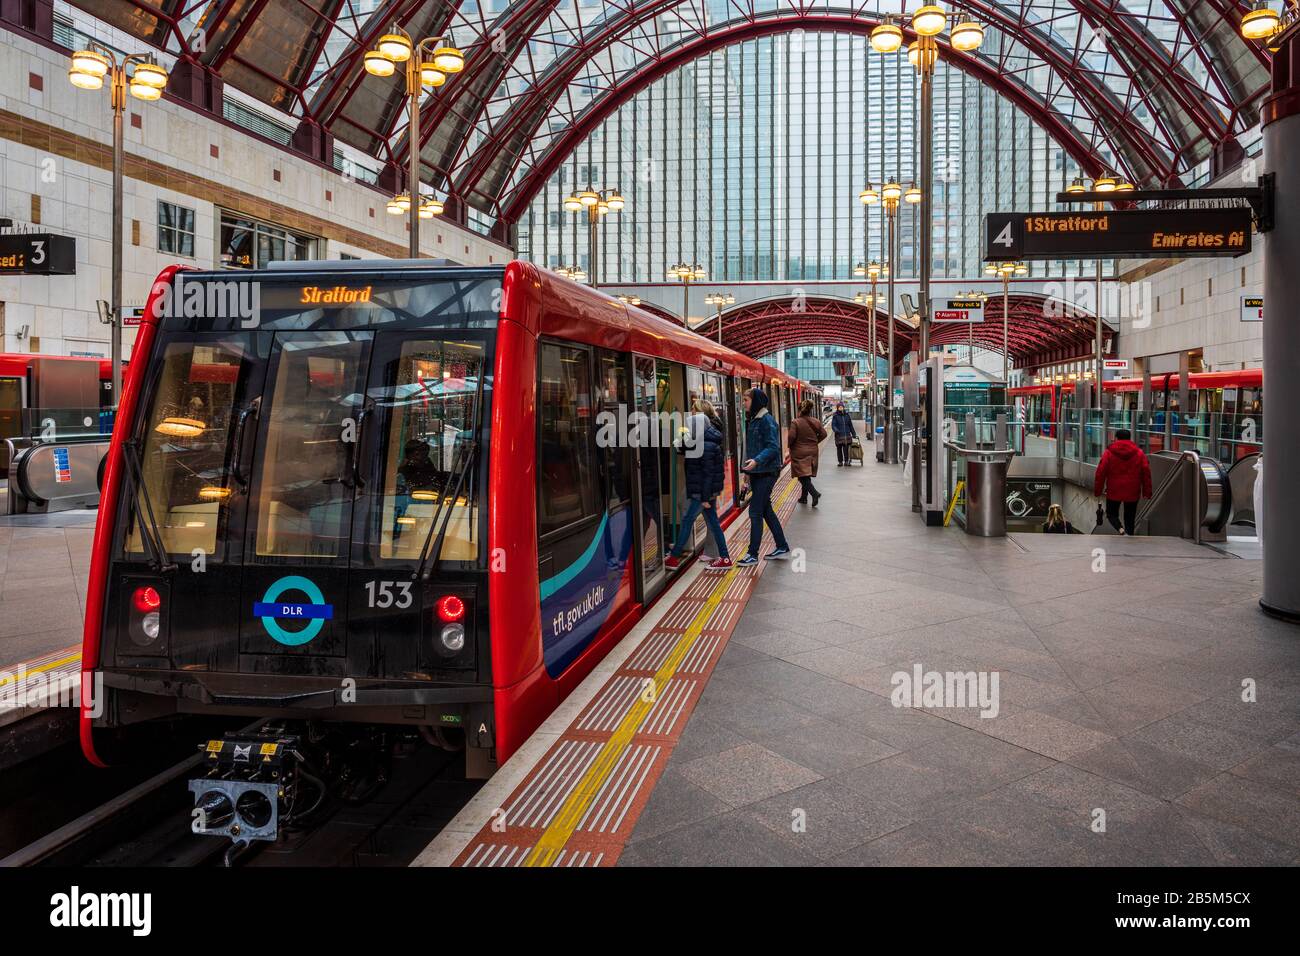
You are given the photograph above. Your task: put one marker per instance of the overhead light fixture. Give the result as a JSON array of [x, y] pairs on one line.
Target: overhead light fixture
[[1104, 184], [431, 75], [615, 201], [149, 74], [143, 91], [967, 36], [1261, 22], [448, 58], [572, 204], [886, 38], [891, 191], [602, 208], [929, 20], [869, 196], [589, 197], [90, 63], [1123, 186], [377, 64], [395, 46], [430, 208], [1076, 186], [913, 194]]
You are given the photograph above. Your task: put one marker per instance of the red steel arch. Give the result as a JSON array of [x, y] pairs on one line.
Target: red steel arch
[[1037, 324]]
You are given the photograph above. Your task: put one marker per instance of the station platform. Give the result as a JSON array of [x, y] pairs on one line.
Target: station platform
[[1117, 731], [44, 564]]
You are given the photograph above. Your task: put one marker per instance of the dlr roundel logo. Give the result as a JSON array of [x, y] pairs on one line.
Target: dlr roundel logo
[[274, 608]]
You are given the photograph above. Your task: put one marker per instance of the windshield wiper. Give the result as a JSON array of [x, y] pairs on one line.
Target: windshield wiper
[[466, 454], [149, 532]]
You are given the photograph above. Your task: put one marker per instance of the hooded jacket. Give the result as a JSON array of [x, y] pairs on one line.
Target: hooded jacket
[[1123, 474], [762, 441], [704, 472]]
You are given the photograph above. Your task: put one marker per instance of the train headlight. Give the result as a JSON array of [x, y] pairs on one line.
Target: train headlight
[[452, 638], [151, 625]]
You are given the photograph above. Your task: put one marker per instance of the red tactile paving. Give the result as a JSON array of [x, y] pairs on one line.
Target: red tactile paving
[[608, 818]]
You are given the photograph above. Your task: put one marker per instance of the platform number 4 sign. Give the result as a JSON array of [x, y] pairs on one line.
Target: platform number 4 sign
[[1002, 237]]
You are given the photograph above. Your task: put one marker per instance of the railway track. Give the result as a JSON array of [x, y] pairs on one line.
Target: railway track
[[149, 824]]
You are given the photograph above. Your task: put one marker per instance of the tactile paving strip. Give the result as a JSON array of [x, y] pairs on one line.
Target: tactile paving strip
[[578, 805], [50, 680]]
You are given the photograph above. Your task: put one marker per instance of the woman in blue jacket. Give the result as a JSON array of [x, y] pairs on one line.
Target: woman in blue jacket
[[704, 480], [763, 444], [842, 427]]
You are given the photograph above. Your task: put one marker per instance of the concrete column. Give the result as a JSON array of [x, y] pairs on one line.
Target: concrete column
[[1281, 520]]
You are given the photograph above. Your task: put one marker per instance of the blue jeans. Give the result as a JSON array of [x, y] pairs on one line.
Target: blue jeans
[[693, 507], [761, 510]]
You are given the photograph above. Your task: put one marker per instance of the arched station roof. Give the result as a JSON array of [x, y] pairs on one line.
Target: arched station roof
[[1037, 325], [1150, 86]]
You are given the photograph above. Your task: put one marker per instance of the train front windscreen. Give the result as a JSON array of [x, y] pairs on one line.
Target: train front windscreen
[[305, 493]]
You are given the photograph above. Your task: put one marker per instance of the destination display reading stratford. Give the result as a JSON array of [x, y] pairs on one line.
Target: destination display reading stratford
[[1134, 234]]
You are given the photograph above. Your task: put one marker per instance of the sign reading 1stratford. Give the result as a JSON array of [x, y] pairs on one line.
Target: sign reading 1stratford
[[1130, 234]]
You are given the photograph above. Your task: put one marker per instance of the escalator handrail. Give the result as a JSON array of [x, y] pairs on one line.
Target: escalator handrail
[[1167, 482]]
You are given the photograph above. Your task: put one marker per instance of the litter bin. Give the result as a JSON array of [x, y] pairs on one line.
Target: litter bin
[[986, 497], [880, 442]]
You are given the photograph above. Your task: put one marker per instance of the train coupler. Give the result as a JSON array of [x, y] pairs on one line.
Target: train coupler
[[248, 783]]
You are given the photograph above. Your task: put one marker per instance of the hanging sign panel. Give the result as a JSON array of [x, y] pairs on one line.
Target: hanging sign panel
[[37, 254], [1252, 308], [1127, 234], [961, 310]]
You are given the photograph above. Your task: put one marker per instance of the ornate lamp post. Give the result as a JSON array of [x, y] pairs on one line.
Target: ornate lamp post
[[428, 63], [719, 299], [597, 205], [141, 76]]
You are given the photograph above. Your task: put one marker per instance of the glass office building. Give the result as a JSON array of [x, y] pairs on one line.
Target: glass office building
[[749, 161]]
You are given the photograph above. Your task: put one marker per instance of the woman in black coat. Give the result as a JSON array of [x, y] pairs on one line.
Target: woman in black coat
[[704, 461]]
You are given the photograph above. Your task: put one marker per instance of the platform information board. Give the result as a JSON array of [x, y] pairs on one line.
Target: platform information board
[[1109, 234], [37, 254]]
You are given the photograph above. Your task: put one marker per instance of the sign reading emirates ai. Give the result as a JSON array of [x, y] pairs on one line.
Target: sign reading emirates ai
[[1129, 234]]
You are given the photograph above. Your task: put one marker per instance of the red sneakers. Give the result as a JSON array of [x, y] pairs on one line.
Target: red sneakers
[[719, 564], [671, 563]]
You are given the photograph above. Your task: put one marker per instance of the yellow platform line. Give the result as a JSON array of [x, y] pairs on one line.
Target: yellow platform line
[[575, 805], [42, 667]]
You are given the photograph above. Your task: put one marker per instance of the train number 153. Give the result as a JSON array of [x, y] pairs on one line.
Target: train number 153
[[385, 594]]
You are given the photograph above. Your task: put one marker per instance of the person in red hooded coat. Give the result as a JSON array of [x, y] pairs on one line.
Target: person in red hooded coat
[[1124, 477]]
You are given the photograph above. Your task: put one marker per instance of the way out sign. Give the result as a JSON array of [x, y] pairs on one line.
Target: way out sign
[[1252, 308], [961, 310]]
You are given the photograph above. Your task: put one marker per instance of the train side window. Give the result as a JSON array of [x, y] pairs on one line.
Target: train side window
[[566, 453], [186, 453], [613, 394]]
